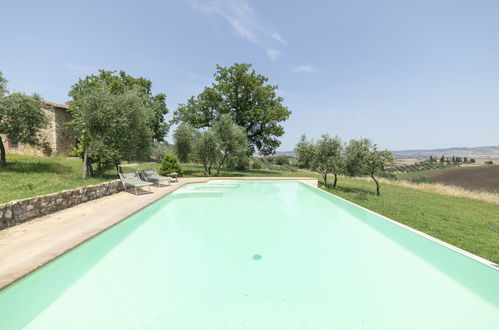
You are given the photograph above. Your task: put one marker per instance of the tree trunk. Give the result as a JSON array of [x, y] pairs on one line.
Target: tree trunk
[[85, 161], [3, 161], [377, 184], [335, 180], [324, 175]]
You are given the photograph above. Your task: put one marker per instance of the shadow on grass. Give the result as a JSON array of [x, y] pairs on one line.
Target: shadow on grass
[[359, 193], [36, 167]]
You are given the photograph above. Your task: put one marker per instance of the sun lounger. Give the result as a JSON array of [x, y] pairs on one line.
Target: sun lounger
[[153, 177], [133, 180]]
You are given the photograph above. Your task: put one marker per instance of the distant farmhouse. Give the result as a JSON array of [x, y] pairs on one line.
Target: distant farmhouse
[[60, 139]]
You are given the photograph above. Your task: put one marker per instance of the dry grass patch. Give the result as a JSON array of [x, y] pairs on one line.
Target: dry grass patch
[[437, 188]]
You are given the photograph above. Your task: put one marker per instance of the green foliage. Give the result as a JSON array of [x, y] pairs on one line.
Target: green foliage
[[118, 84], [160, 148], [231, 140], [113, 127], [328, 157], [356, 155], [205, 150], [3, 85], [256, 164], [246, 97], [170, 165], [376, 162], [21, 119], [305, 152], [184, 138], [281, 160]]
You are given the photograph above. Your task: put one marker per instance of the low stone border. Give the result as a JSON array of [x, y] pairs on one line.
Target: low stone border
[[19, 211]]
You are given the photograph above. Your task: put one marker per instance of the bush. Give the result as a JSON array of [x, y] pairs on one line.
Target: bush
[[281, 160], [256, 165], [169, 165]]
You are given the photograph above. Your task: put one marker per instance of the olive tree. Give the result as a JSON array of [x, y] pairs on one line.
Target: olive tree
[[184, 137], [231, 140], [120, 82], [324, 156], [356, 153], [244, 95], [328, 157], [375, 163], [205, 150], [21, 119], [304, 152], [112, 127]]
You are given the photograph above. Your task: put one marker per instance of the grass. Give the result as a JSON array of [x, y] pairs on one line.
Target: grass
[[472, 225], [28, 176]]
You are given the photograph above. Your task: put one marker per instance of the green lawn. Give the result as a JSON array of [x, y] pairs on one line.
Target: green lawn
[[468, 224]]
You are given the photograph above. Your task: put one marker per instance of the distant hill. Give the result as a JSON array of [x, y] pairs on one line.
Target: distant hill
[[475, 152]]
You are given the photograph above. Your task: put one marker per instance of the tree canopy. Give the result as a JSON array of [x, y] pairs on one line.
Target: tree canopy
[[113, 127], [118, 83], [376, 161], [184, 138], [356, 153], [324, 156], [21, 119], [3, 85], [243, 94]]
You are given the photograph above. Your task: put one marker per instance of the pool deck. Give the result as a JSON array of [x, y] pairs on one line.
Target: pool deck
[[28, 246]]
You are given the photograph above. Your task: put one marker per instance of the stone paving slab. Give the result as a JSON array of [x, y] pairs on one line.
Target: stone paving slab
[[28, 246]]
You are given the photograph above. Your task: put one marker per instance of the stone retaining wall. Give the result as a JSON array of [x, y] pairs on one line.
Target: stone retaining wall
[[19, 211]]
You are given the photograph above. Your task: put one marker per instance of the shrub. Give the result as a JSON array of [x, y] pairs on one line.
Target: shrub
[[169, 165], [256, 165], [281, 160]]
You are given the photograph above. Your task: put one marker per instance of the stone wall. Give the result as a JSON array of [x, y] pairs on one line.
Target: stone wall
[[19, 211]]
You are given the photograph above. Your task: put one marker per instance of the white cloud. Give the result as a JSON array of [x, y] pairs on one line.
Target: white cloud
[[244, 21], [273, 53], [306, 68]]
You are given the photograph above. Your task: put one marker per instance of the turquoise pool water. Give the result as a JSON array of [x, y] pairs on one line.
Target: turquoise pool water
[[255, 255]]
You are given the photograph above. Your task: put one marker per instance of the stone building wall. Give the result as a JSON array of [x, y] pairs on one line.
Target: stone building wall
[[61, 139], [19, 211]]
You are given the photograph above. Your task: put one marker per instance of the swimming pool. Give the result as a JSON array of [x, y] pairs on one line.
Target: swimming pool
[[255, 255]]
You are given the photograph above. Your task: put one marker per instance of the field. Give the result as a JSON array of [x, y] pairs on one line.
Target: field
[[472, 178]]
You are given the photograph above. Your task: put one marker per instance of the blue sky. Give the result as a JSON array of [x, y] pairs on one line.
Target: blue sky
[[407, 74]]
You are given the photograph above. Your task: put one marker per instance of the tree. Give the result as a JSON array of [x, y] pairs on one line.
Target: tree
[[243, 94], [328, 157], [376, 161], [206, 150], [112, 127], [170, 165], [184, 141], [118, 84], [231, 140], [305, 152], [21, 119], [3, 85], [356, 153]]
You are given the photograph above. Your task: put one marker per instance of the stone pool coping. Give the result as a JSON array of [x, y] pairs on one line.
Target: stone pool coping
[[28, 246]]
